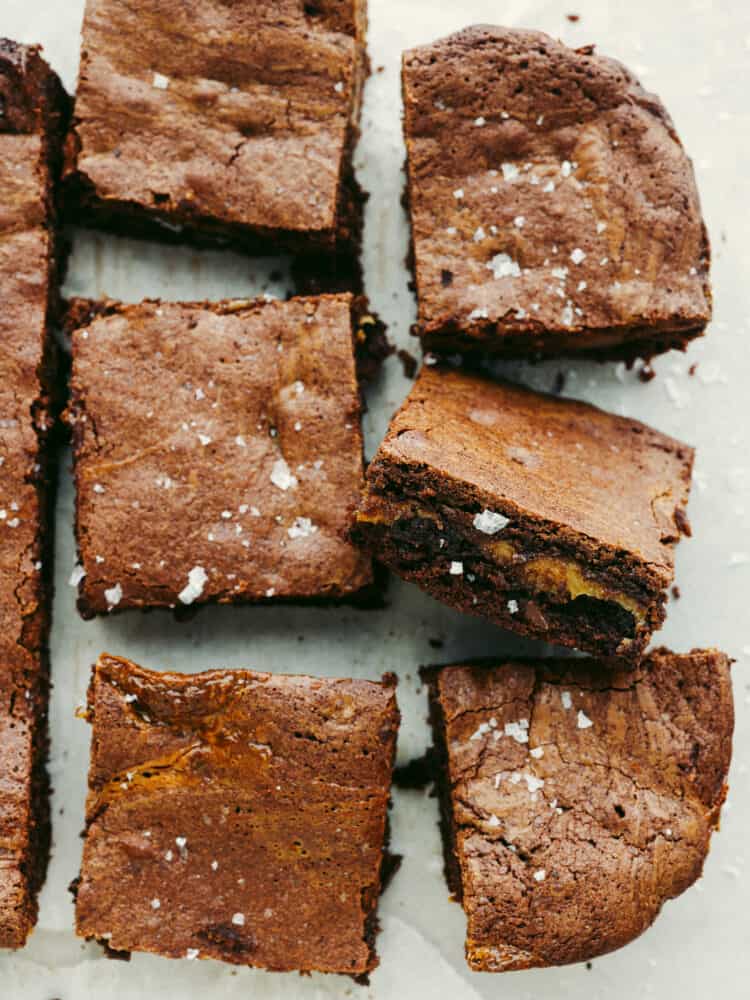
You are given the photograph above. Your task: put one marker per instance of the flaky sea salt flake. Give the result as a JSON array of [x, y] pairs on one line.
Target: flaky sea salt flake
[[281, 477], [584, 722], [197, 579], [503, 266], [490, 522]]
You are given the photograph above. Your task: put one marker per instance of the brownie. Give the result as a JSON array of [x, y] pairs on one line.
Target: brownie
[[229, 468], [546, 515], [553, 207], [578, 796], [237, 816], [32, 115], [214, 122]]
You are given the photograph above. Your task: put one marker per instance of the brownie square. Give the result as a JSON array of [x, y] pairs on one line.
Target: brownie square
[[237, 816], [553, 207], [578, 796], [233, 121], [546, 515], [33, 109], [217, 452]]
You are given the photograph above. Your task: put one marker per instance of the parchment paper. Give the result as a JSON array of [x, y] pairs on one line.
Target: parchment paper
[[696, 55]]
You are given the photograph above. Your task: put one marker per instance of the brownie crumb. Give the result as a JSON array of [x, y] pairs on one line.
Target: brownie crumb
[[573, 18], [418, 773], [646, 373], [681, 520], [371, 344], [676, 592], [408, 362]]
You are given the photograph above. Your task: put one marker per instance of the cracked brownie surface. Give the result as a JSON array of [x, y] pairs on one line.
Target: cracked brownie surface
[[237, 816], [553, 207], [33, 108], [217, 452], [546, 515], [578, 797], [237, 119]]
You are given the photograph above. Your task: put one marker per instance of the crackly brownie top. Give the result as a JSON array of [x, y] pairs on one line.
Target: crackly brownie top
[[590, 477], [583, 797], [218, 452], [236, 815], [239, 111], [548, 189]]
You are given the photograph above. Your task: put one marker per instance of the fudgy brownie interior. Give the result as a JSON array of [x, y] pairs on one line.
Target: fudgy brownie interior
[[537, 582]]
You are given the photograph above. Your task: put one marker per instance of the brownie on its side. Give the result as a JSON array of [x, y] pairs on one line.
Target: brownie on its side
[[545, 515], [553, 207], [217, 452], [237, 816], [577, 797], [33, 108], [232, 122]]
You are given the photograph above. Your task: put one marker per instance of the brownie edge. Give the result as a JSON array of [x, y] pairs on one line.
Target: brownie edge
[[33, 115]]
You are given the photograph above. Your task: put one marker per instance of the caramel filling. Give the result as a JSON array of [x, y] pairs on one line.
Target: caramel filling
[[565, 578]]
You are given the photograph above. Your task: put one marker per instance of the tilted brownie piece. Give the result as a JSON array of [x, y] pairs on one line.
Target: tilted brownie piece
[[577, 797], [199, 119], [553, 207], [217, 452], [237, 816], [546, 515], [33, 109]]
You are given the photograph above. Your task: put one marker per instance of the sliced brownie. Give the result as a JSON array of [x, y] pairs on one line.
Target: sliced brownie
[[237, 816], [546, 515], [217, 452], [33, 109], [214, 122], [577, 797], [553, 207]]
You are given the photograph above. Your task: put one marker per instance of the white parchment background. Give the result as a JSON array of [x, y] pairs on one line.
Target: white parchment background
[[696, 55]]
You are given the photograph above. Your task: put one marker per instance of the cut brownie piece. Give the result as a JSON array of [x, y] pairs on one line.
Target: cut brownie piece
[[553, 208], [545, 515], [237, 816], [236, 122], [218, 452], [577, 797], [33, 110]]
